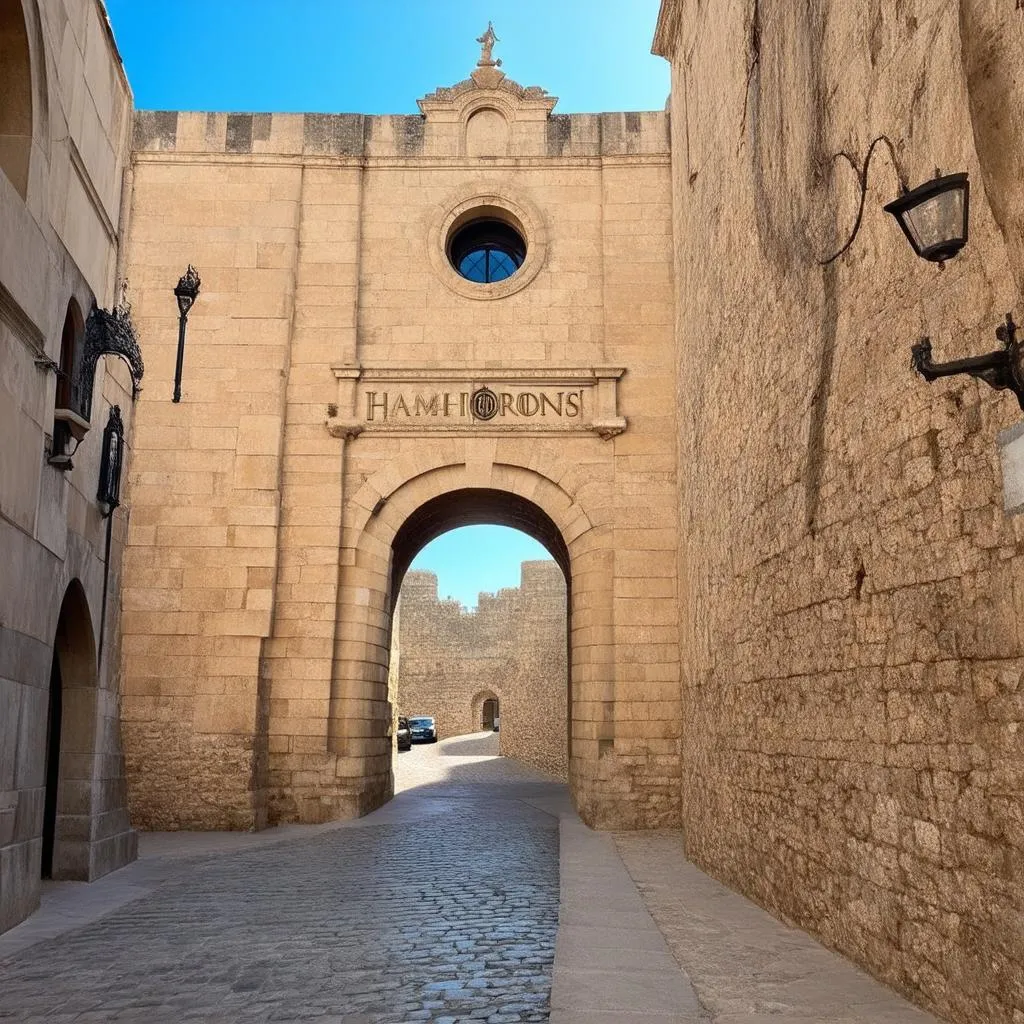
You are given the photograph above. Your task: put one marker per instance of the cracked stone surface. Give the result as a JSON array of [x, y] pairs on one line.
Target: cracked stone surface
[[442, 907]]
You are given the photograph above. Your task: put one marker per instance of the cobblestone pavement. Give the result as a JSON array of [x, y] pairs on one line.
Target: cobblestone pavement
[[442, 906]]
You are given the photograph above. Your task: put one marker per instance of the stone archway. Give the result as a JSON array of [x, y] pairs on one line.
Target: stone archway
[[485, 708], [70, 741], [15, 97], [389, 525]]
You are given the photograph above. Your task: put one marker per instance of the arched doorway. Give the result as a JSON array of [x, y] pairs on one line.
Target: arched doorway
[[467, 507], [70, 739], [489, 714], [389, 522], [15, 96]]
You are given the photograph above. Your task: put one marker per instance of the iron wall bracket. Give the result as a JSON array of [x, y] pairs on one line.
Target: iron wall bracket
[[107, 332], [1002, 369]]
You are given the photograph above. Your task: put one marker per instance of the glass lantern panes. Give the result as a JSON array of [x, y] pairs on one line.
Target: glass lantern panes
[[934, 216]]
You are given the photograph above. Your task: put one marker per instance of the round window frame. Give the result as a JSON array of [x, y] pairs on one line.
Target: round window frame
[[486, 216], [516, 211]]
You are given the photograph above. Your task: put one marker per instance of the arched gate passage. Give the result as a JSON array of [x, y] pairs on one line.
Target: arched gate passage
[[489, 712], [387, 532], [533, 667]]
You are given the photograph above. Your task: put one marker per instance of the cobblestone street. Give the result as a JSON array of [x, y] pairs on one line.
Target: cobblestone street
[[476, 895], [438, 908]]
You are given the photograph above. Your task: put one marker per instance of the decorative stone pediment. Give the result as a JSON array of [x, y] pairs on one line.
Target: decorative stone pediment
[[487, 86]]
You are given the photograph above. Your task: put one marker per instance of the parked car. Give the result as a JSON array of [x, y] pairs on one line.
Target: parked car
[[404, 734], [423, 729]]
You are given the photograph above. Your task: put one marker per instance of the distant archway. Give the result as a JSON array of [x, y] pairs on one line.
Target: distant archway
[[489, 713], [70, 738], [15, 96]]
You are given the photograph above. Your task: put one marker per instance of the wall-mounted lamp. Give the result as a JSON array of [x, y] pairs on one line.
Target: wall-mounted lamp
[[108, 493], [186, 293], [934, 217]]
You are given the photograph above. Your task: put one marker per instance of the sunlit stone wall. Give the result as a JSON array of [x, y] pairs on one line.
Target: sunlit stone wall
[[512, 647]]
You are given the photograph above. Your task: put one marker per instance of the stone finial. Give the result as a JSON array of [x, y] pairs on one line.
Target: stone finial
[[487, 41]]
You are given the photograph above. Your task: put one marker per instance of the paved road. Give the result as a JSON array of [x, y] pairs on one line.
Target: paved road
[[442, 907]]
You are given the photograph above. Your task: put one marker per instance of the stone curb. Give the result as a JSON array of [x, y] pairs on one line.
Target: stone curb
[[612, 963]]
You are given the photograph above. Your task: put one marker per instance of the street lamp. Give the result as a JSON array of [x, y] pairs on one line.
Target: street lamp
[[186, 293], [108, 494], [933, 216], [111, 461]]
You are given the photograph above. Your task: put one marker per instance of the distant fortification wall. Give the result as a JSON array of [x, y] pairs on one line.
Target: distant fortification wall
[[513, 647]]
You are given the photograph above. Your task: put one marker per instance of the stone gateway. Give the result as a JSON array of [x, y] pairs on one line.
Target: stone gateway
[[404, 327], [672, 346]]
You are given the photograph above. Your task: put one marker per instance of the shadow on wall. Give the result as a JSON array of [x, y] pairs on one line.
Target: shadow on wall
[[472, 746]]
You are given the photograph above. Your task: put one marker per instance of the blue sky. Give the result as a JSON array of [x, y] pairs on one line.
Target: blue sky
[[477, 558], [371, 57]]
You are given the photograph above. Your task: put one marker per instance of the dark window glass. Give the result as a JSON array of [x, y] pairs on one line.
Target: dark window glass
[[69, 394], [485, 251]]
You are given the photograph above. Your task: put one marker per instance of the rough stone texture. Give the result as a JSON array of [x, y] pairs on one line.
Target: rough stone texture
[[850, 587], [65, 125], [258, 602], [512, 647]]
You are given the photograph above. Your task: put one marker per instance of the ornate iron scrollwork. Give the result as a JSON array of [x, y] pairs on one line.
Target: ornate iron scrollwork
[[107, 333]]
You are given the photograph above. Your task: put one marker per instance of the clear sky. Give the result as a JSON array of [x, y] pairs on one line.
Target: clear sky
[[477, 558], [375, 57]]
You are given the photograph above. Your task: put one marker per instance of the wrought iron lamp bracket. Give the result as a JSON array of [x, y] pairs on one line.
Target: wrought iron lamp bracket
[[107, 332], [1002, 369]]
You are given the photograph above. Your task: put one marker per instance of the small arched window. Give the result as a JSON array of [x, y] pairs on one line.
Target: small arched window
[[71, 407], [15, 96], [68, 393]]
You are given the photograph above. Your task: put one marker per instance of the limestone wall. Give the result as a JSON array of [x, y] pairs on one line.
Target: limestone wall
[[268, 504], [512, 647], [65, 117], [851, 589]]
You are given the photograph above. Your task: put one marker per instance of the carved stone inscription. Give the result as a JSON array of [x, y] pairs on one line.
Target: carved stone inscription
[[501, 404], [534, 400]]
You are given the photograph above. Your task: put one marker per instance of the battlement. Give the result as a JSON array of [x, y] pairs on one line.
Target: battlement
[[511, 647]]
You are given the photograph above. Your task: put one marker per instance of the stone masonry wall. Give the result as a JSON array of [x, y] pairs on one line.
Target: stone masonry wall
[[266, 503], [65, 127], [851, 595], [512, 647]]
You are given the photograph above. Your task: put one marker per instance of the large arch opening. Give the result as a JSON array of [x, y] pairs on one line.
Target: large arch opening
[[454, 653], [15, 96], [70, 741], [390, 516], [473, 506]]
